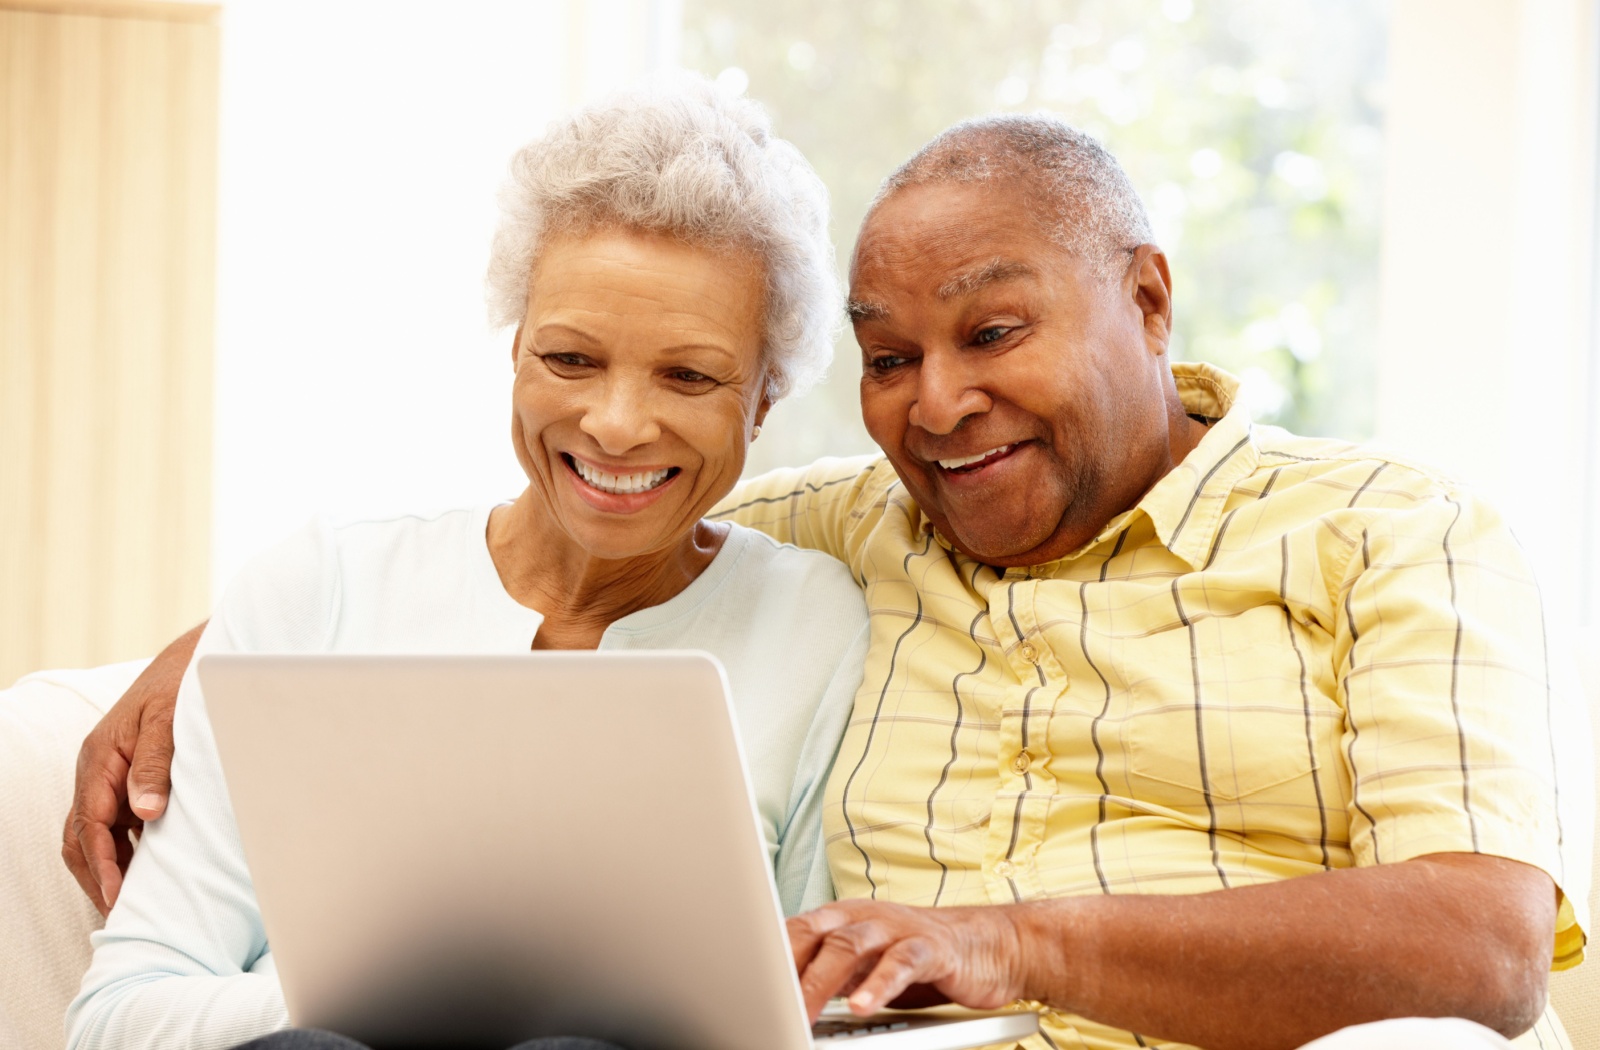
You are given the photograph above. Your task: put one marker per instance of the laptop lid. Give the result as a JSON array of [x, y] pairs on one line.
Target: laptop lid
[[477, 850]]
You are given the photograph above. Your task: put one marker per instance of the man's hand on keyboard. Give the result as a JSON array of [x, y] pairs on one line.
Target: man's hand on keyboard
[[882, 954]]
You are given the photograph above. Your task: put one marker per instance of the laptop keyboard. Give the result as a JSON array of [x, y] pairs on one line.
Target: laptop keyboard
[[849, 1027]]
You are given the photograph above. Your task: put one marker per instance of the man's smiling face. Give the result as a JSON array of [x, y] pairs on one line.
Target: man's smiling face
[[1023, 399]]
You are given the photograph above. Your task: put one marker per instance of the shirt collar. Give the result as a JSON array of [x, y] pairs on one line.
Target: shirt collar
[[1185, 507]]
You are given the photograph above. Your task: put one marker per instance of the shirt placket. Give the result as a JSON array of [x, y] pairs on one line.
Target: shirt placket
[[1025, 783]]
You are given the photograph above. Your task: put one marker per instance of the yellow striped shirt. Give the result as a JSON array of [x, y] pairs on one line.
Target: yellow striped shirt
[[1291, 655]]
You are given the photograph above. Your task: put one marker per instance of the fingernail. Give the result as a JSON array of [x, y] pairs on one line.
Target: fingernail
[[150, 800]]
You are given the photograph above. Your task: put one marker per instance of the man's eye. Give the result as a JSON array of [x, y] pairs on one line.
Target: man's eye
[[886, 363], [990, 335]]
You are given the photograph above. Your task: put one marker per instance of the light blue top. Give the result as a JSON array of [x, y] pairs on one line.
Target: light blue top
[[183, 961]]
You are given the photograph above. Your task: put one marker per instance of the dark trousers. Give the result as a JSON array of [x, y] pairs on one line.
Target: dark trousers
[[316, 1039]]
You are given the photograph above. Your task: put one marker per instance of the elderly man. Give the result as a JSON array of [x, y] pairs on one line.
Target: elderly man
[[1186, 730]]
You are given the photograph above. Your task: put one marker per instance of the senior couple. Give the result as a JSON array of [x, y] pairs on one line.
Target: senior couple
[[1177, 729]]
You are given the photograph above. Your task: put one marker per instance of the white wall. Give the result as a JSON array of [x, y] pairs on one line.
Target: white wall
[[1486, 359], [362, 144]]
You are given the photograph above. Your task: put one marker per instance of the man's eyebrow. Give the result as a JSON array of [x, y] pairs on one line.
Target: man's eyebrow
[[865, 310], [992, 272]]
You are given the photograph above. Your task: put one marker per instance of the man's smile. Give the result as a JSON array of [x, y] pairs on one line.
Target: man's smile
[[969, 464]]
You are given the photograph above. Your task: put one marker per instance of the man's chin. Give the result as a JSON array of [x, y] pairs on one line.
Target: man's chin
[[995, 544]]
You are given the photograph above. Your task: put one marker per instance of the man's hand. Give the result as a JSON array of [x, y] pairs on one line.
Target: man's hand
[[1263, 967], [889, 954], [128, 756]]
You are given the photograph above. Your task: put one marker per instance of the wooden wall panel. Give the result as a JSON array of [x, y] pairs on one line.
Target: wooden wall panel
[[107, 248]]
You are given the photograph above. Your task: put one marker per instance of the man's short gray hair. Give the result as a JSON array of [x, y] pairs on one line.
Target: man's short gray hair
[[1086, 201], [688, 160]]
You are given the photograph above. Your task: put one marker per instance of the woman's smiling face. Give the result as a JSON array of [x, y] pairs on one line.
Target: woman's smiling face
[[639, 381]]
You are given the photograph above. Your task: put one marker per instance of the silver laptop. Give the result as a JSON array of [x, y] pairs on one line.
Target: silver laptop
[[477, 850]]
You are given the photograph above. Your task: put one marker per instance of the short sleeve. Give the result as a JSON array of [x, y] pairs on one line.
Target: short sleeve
[[1455, 727], [813, 507]]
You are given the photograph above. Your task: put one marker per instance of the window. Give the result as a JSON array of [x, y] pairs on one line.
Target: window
[[1250, 127]]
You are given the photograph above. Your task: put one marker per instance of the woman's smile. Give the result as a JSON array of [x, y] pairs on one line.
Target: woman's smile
[[618, 491]]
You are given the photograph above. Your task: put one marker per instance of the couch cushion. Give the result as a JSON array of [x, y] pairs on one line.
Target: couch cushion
[[46, 920]]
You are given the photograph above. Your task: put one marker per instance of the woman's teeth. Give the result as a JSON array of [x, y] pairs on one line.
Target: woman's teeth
[[620, 484], [967, 461]]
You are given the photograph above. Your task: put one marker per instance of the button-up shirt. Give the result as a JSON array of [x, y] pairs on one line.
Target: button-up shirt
[[1291, 655]]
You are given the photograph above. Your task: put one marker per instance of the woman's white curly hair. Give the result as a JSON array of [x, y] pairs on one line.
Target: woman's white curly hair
[[683, 158]]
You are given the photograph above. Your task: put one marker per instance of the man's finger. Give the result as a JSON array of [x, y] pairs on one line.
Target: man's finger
[[844, 954], [99, 849], [149, 775], [903, 964], [97, 801], [150, 771], [72, 853], [807, 931]]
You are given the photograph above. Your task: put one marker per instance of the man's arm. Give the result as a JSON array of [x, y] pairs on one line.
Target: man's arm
[[123, 775], [1269, 966], [812, 507]]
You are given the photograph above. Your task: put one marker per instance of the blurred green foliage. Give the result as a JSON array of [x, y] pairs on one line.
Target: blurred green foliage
[[1252, 128]]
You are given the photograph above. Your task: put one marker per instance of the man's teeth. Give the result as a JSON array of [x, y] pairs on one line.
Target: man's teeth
[[967, 461], [620, 484]]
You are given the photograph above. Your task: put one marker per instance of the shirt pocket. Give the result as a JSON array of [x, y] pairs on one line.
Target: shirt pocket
[[1226, 721]]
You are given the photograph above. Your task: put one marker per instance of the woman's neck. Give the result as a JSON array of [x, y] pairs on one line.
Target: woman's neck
[[579, 594]]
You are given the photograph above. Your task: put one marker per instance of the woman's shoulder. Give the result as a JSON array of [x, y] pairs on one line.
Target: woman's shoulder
[[328, 545], [382, 545], [778, 567], [803, 601], [292, 592]]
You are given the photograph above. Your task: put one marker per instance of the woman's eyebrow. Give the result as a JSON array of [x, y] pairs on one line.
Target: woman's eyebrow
[[995, 271], [560, 326], [669, 348]]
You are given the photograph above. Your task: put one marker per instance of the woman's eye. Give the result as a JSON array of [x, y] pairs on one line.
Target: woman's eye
[[990, 335], [886, 363], [686, 375], [565, 363]]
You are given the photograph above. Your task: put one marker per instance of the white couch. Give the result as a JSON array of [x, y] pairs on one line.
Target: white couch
[[45, 921]]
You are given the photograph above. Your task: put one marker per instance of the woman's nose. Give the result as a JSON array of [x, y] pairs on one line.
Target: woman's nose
[[947, 393], [620, 418]]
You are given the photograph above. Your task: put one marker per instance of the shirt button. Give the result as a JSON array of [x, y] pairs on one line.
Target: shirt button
[[1005, 869], [1029, 653], [1035, 571], [1022, 762]]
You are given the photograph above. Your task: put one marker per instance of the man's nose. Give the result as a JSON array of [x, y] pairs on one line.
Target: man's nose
[[621, 417], [947, 393]]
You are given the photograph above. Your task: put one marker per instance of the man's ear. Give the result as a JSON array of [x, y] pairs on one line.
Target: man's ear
[[1152, 293], [516, 342]]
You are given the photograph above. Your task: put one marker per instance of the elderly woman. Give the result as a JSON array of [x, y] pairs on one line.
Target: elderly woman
[[666, 263]]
